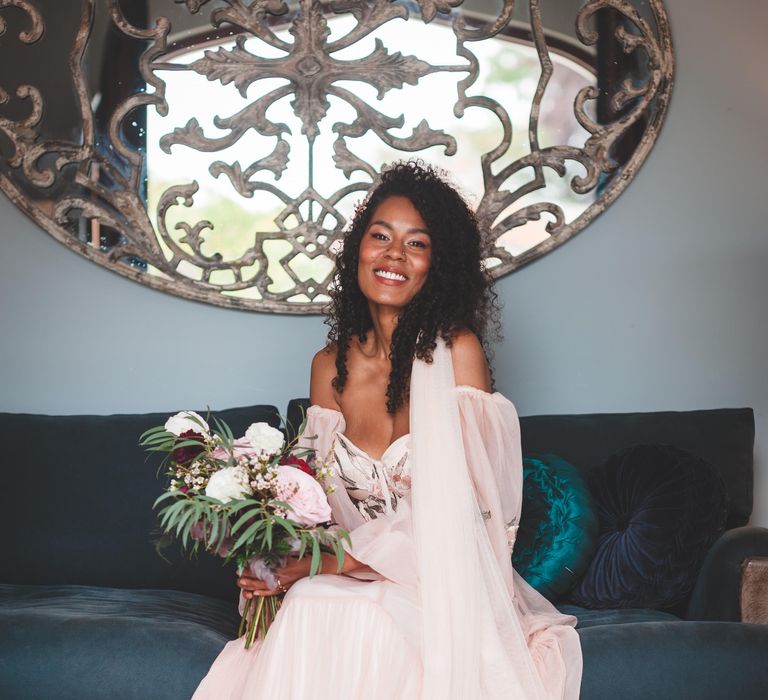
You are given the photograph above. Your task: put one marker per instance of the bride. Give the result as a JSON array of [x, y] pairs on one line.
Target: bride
[[427, 466]]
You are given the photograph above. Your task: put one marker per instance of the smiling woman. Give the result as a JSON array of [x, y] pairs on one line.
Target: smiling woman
[[432, 238], [426, 466], [395, 253]]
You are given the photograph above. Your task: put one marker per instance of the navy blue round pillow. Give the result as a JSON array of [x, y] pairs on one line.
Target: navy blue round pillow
[[558, 526], [660, 508]]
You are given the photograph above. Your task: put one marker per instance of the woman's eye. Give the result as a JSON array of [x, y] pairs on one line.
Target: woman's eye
[[379, 236], [418, 244]]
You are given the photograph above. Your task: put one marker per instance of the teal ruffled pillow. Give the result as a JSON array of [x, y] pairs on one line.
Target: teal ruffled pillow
[[558, 526]]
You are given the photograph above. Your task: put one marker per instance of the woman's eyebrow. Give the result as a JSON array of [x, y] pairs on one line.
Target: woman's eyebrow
[[380, 222]]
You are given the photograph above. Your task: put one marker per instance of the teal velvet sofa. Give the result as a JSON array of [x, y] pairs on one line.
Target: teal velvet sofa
[[89, 610], [698, 650]]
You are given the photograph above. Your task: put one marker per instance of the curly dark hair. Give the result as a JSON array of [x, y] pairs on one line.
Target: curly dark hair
[[457, 294]]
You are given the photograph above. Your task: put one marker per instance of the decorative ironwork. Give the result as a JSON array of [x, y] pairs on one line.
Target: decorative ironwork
[[83, 189]]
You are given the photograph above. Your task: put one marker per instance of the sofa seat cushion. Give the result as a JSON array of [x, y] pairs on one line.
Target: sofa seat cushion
[[84, 642], [674, 661], [619, 616]]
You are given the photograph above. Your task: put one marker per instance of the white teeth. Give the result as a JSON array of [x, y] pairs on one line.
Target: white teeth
[[390, 275]]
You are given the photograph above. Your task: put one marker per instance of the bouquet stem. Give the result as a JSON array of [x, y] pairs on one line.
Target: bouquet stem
[[255, 624]]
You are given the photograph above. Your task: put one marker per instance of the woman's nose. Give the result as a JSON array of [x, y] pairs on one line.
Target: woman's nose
[[396, 251]]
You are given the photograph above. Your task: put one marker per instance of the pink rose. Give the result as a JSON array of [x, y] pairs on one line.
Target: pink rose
[[304, 495], [240, 448]]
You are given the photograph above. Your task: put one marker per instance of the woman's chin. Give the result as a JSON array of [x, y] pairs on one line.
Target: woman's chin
[[387, 303], [387, 295], [388, 300]]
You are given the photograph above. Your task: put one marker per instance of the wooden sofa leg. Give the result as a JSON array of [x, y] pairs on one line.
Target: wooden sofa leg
[[754, 590]]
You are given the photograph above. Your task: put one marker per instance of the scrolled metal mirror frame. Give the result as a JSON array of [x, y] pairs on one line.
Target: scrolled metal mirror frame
[[311, 70]]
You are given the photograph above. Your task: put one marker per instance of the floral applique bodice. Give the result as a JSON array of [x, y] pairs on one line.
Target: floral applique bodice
[[375, 486]]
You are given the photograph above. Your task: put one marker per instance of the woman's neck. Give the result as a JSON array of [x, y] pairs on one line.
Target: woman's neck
[[384, 321]]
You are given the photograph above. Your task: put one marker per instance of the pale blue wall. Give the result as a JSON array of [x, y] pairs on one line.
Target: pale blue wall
[[659, 305]]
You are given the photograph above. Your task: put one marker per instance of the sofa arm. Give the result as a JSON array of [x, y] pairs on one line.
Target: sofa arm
[[717, 593], [754, 590]]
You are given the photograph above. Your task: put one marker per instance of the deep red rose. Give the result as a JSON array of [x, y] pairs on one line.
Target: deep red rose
[[185, 455], [294, 461]]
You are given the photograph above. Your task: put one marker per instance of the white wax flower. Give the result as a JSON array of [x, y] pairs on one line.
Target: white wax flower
[[265, 439], [187, 420], [228, 484]]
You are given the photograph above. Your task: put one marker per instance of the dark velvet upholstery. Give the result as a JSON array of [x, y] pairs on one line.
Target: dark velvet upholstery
[[674, 661], [717, 590], [660, 509], [80, 503], [558, 526], [91, 643], [622, 616], [723, 436]]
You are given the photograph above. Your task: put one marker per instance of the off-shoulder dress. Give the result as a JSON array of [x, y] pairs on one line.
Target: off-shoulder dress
[[362, 635]]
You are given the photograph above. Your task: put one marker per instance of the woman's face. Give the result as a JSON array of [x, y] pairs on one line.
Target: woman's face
[[395, 253]]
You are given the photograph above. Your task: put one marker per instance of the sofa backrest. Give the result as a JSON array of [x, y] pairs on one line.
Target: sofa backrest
[[76, 504], [723, 436]]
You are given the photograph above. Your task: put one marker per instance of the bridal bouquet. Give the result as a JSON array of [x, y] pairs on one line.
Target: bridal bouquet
[[255, 499]]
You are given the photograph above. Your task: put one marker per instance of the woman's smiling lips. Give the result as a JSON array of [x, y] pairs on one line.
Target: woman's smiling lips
[[387, 275]]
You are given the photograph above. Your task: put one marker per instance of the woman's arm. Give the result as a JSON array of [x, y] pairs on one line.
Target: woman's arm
[[297, 569], [470, 366], [321, 391]]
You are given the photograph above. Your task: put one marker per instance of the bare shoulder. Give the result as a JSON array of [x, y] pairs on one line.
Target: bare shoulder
[[470, 365], [321, 391]]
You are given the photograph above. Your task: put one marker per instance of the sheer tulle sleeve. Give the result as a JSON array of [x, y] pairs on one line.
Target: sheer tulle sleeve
[[491, 435], [490, 430], [320, 430], [385, 544]]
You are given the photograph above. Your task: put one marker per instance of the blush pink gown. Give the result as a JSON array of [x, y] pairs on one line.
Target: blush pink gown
[[379, 636]]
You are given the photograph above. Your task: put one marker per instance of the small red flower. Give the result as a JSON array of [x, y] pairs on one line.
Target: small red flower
[[185, 455], [294, 461]]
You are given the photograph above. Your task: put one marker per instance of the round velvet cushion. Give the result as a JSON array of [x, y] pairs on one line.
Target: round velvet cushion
[[558, 526], [660, 508]]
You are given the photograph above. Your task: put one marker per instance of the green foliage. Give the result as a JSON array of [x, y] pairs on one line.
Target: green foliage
[[260, 533], [255, 527]]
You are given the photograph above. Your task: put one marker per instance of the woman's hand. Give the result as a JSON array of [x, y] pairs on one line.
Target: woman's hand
[[286, 576], [294, 570]]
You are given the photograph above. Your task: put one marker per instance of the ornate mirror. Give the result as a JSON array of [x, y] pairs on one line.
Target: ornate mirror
[[215, 149]]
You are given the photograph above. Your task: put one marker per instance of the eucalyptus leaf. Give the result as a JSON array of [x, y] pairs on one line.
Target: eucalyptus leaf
[[254, 512], [248, 534], [184, 520], [303, 544], [315, 565], [168, 513], [287, 525], [164, 496], [152, 433]]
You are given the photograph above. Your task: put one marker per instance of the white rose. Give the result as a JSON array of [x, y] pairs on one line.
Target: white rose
[[265, 439], [187, 420], [228, 484]]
